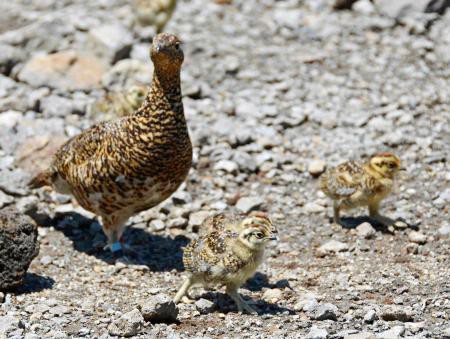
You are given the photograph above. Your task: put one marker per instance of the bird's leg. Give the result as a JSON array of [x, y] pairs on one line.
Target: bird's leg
[[374, 213], [240, 303], [183, 290], [336, 213]]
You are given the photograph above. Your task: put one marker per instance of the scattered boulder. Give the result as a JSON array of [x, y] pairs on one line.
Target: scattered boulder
[[66, 70], [18, 247], [248, 204], [317, 167], [204, 306], [397, 313], [365, 230], [159, 308], [128, 325], [332, 246]]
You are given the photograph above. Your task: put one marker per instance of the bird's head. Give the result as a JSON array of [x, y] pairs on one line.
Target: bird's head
[[257, 230], [166, 51], [386, 164]]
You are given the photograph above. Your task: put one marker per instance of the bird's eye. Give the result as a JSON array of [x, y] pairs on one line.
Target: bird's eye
[[177, 45], [259, 235], [391, 165]]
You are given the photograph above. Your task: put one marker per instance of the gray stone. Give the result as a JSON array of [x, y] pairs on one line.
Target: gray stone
[[157, 225], [417, 237], [325, 311], [400, 8], [204, 306], [14, 182], [370, 317], [272, 294], [127, 73], [365, 230], [159, 308], [247, 204], [333, 246], [317, 333], [313, 207], [317, 167], [9, 323], [361, 335], [396, 313], [5, 199], [9, 57], [112, 41], [59, 310], [444, 231], [393, 333], [128, 325], [197, 218], [57, 106], [227, 166], [18, 247], [177, 223]]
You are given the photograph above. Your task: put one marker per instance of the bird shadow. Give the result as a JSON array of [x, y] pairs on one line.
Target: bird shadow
[[225, 304], [260, 281], [159, 253], [353, 222], [33, 282]]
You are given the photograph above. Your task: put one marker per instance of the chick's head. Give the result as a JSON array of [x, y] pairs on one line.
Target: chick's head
[[257, 231], [386, 164]]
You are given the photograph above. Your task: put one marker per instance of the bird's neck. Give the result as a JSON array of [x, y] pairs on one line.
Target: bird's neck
[[376, 173], [164, 97]]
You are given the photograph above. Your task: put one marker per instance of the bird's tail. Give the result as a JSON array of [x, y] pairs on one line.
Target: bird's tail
[[44, 178]]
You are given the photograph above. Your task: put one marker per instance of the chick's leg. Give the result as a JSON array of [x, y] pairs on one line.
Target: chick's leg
[[240, 303], [113, 228], [374, 213], [183, 290], [336, 213]]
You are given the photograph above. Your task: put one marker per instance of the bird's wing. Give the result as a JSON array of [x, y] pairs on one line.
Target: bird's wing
[[343, 181]]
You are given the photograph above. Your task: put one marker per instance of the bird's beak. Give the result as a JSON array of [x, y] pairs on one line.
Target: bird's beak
[[402, 168]]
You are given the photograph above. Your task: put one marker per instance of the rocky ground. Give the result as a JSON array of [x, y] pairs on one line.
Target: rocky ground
[[273, 90]]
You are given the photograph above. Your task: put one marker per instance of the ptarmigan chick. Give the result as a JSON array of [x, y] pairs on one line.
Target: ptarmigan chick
[[228, 254], [154, 12], [354, 184], [119, 104], [118, 168]]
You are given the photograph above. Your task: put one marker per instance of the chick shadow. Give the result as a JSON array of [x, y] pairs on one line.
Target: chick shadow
[[224, 304], [353, 222], [260, 281], [32, 283], [158, 253]]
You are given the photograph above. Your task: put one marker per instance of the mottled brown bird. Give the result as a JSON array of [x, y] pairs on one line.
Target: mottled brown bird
[[118, 168], [119, 104], [228, 254], [353, 184]]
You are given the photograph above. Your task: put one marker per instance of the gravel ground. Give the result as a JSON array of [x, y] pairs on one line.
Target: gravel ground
[[272, 90]]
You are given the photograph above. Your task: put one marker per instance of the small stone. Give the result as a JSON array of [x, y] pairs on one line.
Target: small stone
[[323, 312], [272, 295], [127, 325], [361, 335], [9, 57], [444, 231], [59, 310], [204, 306], [317, 333], [400, 224], [46, 260], [9, 323], [332, 246], [157, 225], [112, 41], [396, 313], [370, 317], [127, 73], [57, 106], [5, 199], [18, 246], [177, 223], [317, 167], [393, 333], [417, 237], [248, 204], [365, 230], [312, 207], [227, 166], [159, 308], [197, 218]]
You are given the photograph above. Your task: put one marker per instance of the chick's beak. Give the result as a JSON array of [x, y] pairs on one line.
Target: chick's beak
[[402, 168]]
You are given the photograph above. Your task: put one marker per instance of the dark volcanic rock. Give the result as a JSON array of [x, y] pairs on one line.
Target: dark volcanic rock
[[18, 246]]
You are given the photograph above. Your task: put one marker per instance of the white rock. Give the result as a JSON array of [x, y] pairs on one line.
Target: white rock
[[272, 294], [247, 204], [333, 246], [227, 166], [365, 230], [317, 167], [417, 237], [312, 207], [127, 325], [393, 333], [317, 333]]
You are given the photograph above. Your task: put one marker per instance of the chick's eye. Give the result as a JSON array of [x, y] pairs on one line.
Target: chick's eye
[[391, 165], [177, 45], [259, 235]]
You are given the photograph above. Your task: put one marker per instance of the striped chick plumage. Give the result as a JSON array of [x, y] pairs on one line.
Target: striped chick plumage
[[228, 254], [118, 168], [353, 184]]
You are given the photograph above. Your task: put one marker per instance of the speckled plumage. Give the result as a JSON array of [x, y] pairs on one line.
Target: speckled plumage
[[228, 254], [353, 184], [118, 168]]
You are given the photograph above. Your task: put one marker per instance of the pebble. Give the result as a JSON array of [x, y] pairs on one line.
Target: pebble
[[370, 317], [393, 333], [5, 199], [361, 335], [272, 295], [227, 166], [444, 230], [312, 207], [157, 225], [128, 325], [317, 333], [317, 167], [365, 230], [111, 40], [204, 306], [2, 297], [248, 204], [325, 311], [9, 323], [333, 246], [417, 237], [400, 224], [159, 308]]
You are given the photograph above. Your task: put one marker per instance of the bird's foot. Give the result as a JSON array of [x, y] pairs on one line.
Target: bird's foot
[[245, 307]]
